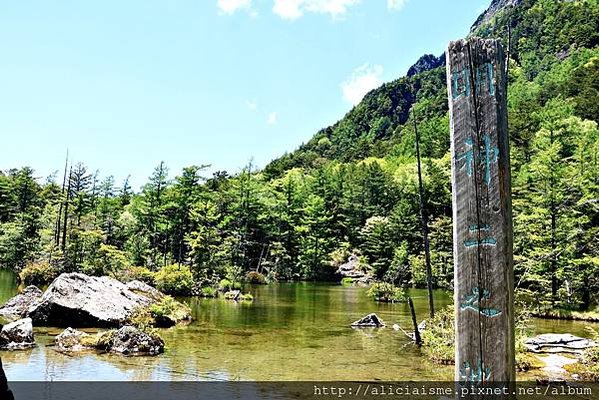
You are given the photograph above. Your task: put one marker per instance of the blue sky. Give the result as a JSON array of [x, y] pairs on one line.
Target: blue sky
[[126, 84]]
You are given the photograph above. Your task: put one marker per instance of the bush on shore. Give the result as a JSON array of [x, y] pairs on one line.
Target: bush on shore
[[168, 310], [439, 336], [142, 274], [438, 339], [38, 273], [386, 293], [226, 285], [175, 280], [208, 291], [255, 278]]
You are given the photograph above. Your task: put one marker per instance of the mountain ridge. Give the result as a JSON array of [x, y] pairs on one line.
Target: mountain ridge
[[389, 104]]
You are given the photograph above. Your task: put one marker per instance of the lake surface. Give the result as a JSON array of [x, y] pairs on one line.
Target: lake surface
[[291, 331]]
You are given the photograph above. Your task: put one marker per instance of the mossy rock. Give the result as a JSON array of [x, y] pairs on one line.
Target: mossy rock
[[169, 312], [72, 340], [130, 341], [236, 295], [232, 295]]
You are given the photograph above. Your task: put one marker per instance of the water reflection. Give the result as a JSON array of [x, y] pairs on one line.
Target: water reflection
[[295, 331]]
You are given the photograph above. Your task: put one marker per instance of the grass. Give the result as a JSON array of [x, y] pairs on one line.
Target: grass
[[439, 336], [588, 367], [439, 339]]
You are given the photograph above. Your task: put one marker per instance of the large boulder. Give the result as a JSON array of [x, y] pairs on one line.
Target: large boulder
[[17, 307], [146, 290], [86, 301], [558, 343], [131, 341], [72, 340], [353, 270], [17, 335]]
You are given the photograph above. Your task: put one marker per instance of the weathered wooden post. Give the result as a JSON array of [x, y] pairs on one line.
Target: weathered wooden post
[[482, 212], [417, 337]]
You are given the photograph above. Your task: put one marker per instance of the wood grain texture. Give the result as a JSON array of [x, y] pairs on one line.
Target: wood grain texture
[[482, 212]]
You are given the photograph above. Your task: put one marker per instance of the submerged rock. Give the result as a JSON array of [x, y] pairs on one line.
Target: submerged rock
[[17, 307], [131, 341], [369, 321], [233, 295], [558, 343], [237, 295], [72, 340], [17, 335], [80, 300]]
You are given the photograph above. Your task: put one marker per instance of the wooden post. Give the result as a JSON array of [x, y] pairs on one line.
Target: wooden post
[[417, 338], [424, 223], [482, 212]]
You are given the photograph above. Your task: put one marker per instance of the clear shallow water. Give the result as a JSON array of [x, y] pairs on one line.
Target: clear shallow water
[[292, 331]]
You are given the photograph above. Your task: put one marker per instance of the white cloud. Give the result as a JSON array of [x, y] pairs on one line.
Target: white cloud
[[230, 6], [293, 9], [272, 118], [397, 5], [362, 80], [252, 105]]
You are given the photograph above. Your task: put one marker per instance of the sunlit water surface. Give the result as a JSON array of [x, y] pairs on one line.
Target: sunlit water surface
[[291, 331]]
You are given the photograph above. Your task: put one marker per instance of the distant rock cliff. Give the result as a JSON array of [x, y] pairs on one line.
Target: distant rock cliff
[[495, 7], [426, 63]]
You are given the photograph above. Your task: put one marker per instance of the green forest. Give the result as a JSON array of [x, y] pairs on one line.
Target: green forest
[[351, 190]]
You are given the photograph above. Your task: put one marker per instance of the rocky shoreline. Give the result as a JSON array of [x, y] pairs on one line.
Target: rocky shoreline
[[77, 300]]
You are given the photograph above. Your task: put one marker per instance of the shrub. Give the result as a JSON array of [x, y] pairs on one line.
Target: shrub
[[347, 281], [38, 273], [438, 339], [226, 285], [524, 360], [168, 311], [140, 274], [256, 278], [386, 292], [208, 291], [439, 335], [112, 260], [174, 279]]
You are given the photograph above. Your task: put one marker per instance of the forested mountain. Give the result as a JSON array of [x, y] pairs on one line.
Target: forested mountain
[[352, 189]]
